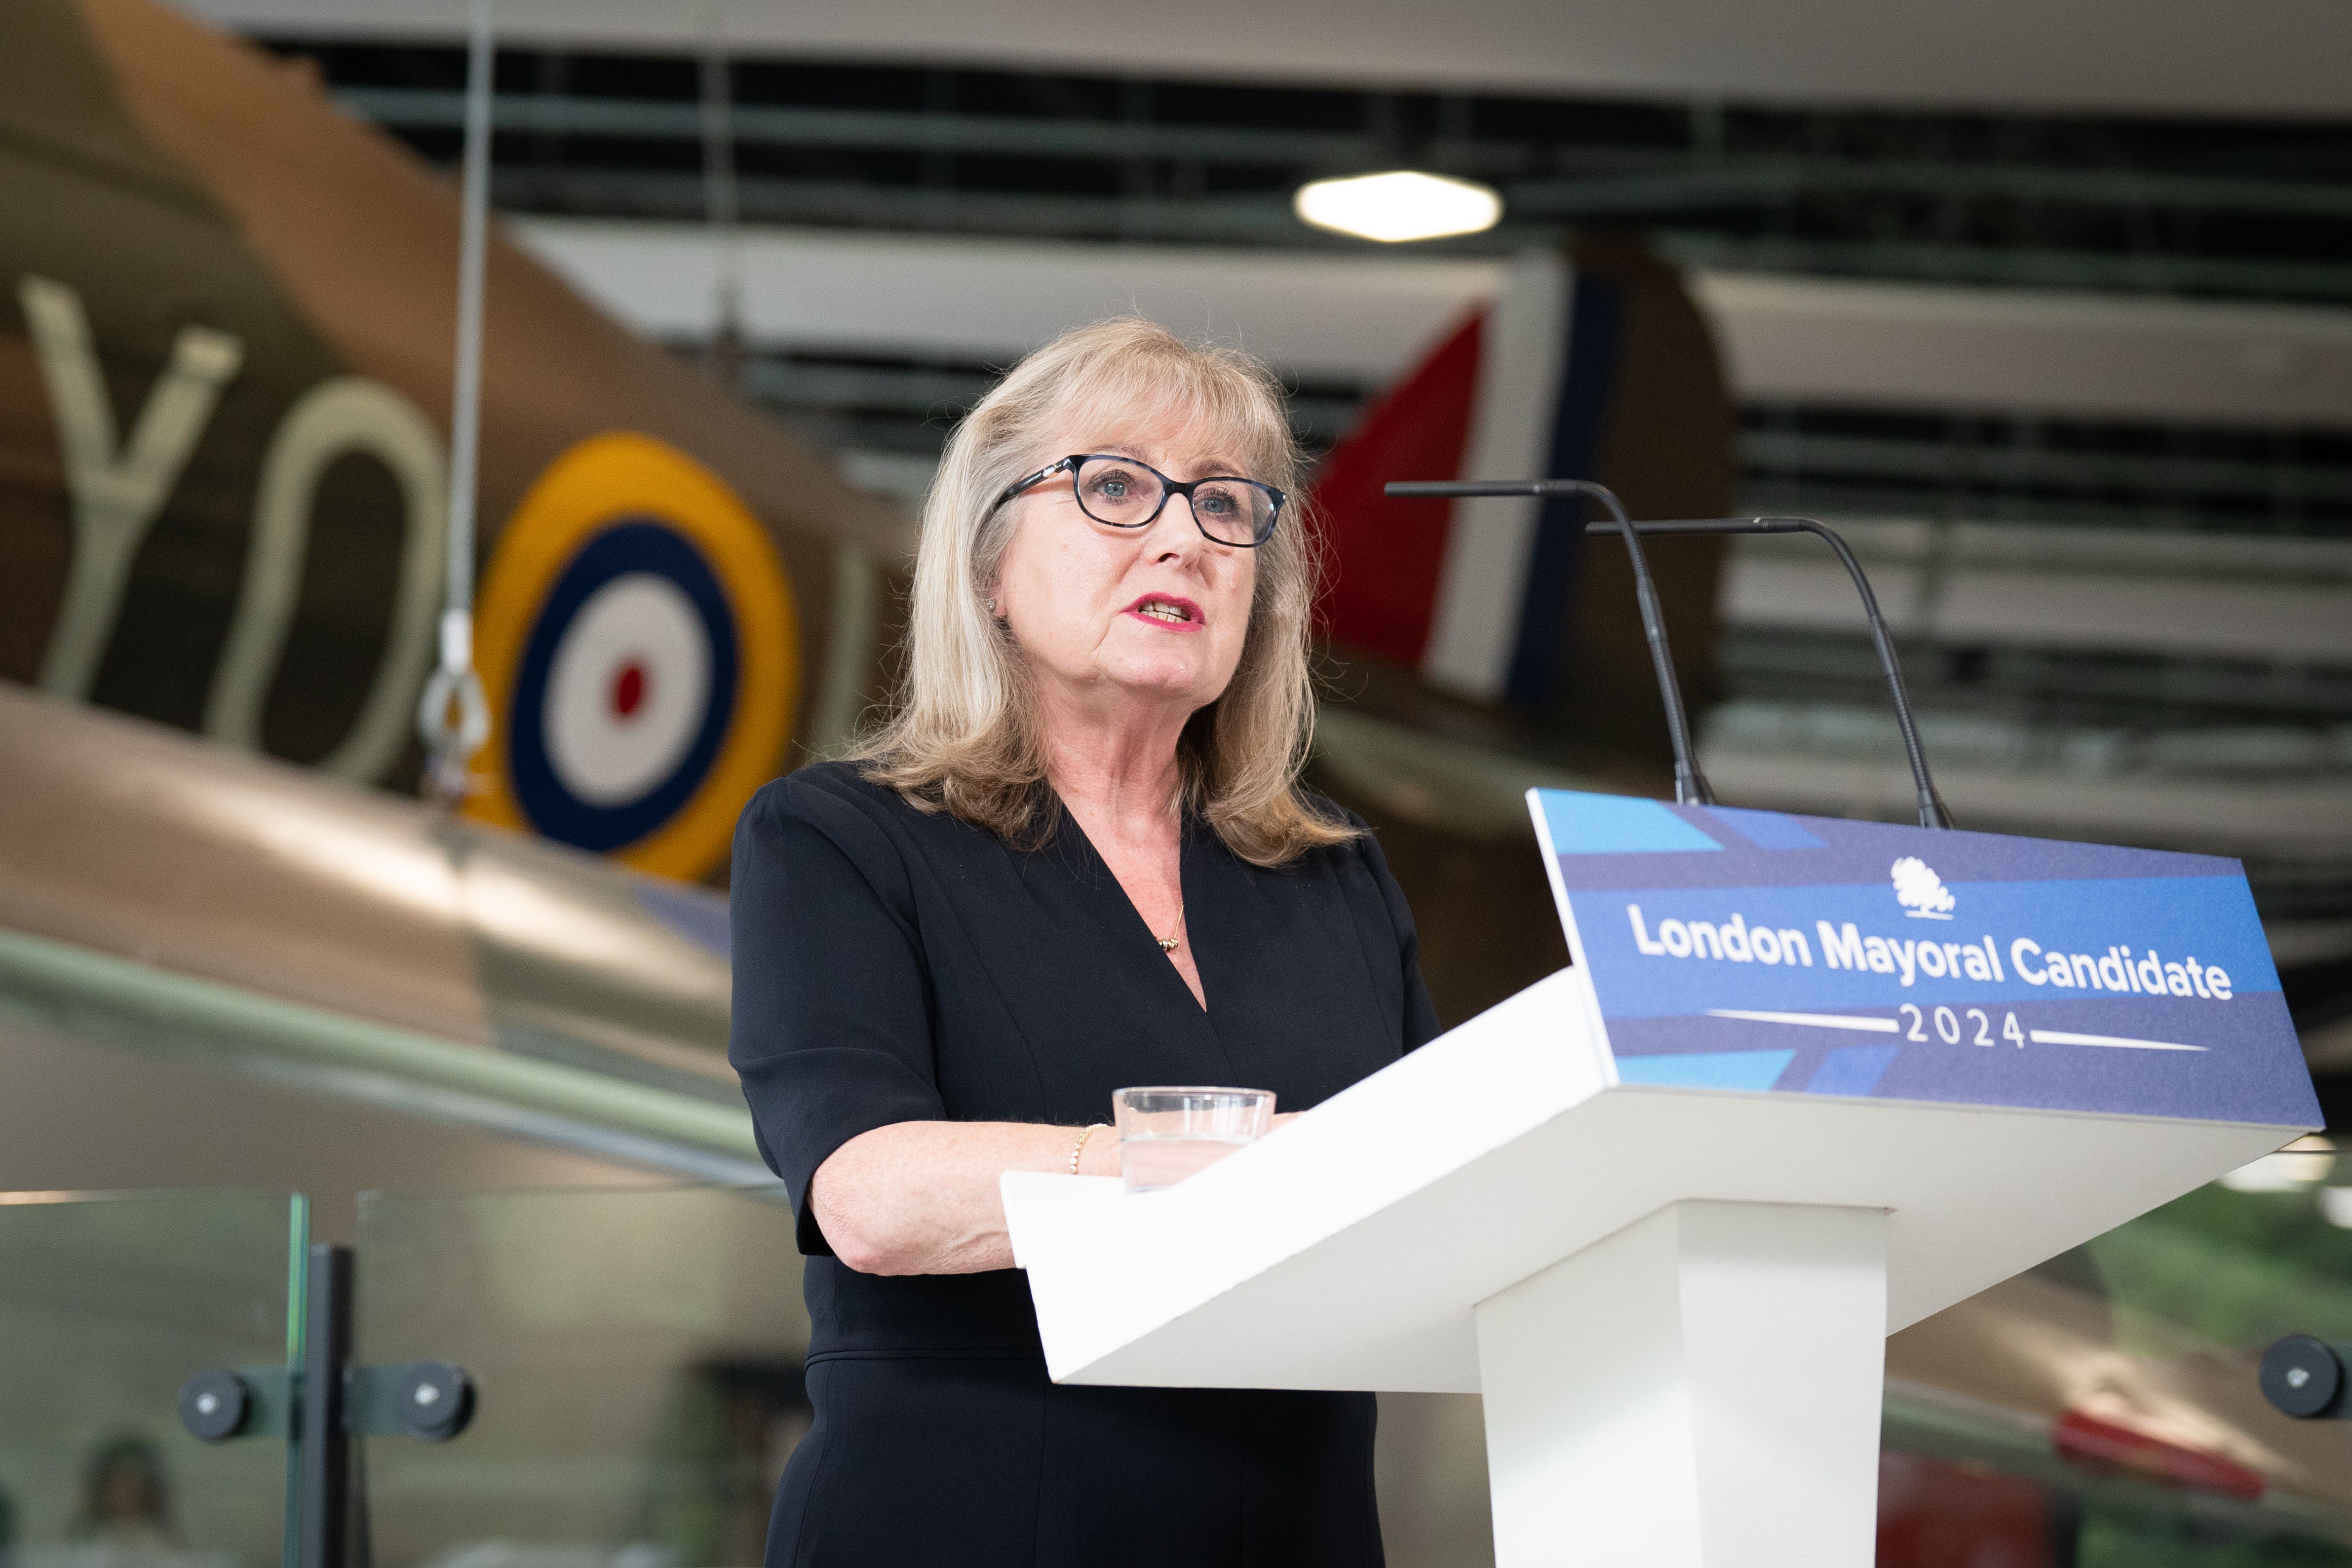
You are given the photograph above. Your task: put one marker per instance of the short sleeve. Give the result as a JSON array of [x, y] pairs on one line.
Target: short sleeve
[[1420, 1025], [831, 1030]]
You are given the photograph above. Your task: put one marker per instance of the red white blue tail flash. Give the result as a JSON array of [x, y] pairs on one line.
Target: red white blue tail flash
[[1474, 594]]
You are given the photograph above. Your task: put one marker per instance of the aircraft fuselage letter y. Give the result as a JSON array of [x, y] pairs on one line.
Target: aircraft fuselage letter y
[[118, 489]]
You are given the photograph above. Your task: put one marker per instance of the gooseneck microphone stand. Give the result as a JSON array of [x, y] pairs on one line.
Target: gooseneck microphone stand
[[1933, 813], [1689, 788], [1690, 785]]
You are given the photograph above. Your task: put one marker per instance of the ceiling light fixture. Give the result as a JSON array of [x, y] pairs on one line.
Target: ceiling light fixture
[[1401, 204]]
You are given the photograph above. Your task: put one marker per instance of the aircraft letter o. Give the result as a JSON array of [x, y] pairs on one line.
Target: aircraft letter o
[[337, 417]]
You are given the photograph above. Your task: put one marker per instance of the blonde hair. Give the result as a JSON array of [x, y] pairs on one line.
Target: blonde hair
[[962, 735]]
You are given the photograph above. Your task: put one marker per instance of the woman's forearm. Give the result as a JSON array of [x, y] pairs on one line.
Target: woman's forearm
[[921, 1197]]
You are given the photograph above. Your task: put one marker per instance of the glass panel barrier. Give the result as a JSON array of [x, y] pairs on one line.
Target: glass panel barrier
[[109, 1303], [637, 1358], [638, 1355]]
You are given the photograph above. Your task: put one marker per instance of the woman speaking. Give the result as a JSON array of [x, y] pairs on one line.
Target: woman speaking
[[1076, 857]]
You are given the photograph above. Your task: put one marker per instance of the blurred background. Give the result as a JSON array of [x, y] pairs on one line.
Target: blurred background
[[2049, 312]]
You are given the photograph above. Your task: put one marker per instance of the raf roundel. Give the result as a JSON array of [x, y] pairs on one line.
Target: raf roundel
[[636, 637]]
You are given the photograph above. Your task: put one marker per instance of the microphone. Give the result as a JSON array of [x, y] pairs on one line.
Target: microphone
[[1933, 812], [1690, 786]]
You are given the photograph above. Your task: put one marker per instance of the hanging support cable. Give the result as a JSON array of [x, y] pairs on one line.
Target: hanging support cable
[[720, 210], [454, 717]]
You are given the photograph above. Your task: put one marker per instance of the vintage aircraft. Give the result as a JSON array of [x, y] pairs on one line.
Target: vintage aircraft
[[223, 451], [224, 368]]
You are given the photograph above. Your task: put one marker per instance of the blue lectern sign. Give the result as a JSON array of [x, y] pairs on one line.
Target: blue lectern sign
[[1739, 949]]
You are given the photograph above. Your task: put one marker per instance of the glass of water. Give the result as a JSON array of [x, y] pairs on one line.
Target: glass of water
[[1166, 1133]]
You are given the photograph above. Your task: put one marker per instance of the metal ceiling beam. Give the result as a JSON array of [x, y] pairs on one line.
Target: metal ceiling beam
[[2012, 266], [1742, 182], [1650, 182], [1827, 494], [1787, 454], [1249, 219], [882, 129]]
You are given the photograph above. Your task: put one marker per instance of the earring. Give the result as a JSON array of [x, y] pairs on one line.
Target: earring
[[991, 607]]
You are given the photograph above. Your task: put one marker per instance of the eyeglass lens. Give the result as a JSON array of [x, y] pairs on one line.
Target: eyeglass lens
[[1128, 494]]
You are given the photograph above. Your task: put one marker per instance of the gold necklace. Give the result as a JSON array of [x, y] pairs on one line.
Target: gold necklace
[[1167, 943]]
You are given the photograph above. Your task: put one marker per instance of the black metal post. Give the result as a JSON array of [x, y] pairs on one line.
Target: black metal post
[[321, 1517], [321, 1406]]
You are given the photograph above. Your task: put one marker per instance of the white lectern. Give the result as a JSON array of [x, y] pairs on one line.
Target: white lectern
[[1673, 1294]]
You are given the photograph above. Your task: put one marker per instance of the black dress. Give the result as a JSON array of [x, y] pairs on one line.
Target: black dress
[[892, 965]]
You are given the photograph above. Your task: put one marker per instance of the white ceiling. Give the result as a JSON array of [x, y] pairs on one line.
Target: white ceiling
[[1313, 314], [2274, 57], [1363, 318]]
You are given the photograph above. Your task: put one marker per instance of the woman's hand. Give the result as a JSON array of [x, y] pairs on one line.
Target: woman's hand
[[921, 1197]]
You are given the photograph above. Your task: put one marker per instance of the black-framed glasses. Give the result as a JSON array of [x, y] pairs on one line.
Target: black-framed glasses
[[1126, 494]]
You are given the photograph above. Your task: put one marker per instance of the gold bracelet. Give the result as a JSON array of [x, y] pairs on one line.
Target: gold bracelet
[[1080, 1147]]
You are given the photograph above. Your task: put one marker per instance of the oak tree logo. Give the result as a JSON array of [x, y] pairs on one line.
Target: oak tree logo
[[1921, 891]]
